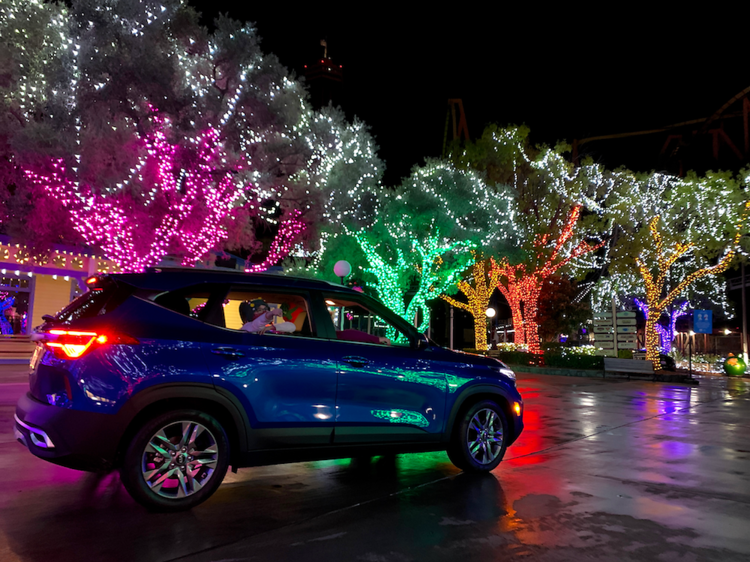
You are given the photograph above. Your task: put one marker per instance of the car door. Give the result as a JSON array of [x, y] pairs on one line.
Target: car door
[[386, 392], [287, 381]]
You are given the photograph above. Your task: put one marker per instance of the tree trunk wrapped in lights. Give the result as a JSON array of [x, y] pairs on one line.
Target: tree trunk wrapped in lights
[[522, 283], [666, 333], [478, 294], [426, 265]]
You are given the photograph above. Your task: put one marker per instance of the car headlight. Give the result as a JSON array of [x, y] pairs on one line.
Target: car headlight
[[507, 372]]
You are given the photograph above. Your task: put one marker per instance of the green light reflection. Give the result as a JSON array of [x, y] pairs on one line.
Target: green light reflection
[[407, 417]]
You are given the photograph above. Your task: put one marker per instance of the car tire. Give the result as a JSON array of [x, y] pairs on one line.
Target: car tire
[[176, 460], [479, 438]]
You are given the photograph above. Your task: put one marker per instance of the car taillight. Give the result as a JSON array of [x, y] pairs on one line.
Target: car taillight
[[72, 344]]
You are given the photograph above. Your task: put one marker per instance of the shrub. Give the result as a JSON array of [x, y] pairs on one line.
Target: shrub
[[518, 357], [573, 361]]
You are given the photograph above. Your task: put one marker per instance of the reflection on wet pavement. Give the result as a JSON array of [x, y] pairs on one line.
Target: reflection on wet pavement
[[605, 470]]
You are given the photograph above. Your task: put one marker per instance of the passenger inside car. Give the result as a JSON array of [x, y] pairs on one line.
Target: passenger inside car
[[258, 317]]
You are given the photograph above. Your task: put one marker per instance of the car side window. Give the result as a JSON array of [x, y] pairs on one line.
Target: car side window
[[354, 321], [196, 302], [268, 312]]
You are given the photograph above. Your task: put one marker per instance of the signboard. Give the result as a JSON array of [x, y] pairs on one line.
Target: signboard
[[703, 321], [626, 345], [626, 337], [603, 315], [603, 329], [604, 337], [626, 329], [606, 345], [603, 322], [626, 321], [625, 314]]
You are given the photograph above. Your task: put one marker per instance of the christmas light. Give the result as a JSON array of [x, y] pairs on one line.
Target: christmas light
[[141, 120], [676, 232], [478, 294], [185, 213], [420, 237], [666, 333], [522, 284]]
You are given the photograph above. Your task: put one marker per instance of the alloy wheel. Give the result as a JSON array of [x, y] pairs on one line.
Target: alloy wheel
[[179, 459], [484, 436]]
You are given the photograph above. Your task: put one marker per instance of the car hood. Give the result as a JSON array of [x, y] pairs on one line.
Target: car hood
[[469, 359]]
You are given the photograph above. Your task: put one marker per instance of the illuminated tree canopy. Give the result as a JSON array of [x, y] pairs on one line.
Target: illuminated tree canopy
[[674, 233], [558, 210], [159, 137], [418, 240]]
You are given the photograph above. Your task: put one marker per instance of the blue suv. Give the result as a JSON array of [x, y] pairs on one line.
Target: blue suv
[[157, 374]]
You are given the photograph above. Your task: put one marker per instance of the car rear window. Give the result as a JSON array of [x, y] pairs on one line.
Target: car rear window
[[95, 302]]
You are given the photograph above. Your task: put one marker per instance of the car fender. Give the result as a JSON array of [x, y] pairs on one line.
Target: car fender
[[181, 391], [466, 394]]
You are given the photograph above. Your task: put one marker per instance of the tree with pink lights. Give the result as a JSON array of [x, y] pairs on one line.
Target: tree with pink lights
[[159, 137]]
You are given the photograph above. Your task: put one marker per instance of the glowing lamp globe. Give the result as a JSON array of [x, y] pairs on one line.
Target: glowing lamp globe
[[490, 312], [342, 268], [734, 366]]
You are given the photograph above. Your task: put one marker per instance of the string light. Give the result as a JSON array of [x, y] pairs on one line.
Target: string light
[[243, 151], [421, 236], [522, 284], [478, 293], [676, 232], [666, 333]]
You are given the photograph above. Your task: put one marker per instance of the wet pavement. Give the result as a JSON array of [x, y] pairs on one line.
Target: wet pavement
[[606, 470]]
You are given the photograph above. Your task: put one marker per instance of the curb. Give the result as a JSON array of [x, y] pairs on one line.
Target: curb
[[658, 376]]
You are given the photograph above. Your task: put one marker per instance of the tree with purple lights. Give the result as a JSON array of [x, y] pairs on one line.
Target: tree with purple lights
[[626, 288], [158, 137], [666, 333]]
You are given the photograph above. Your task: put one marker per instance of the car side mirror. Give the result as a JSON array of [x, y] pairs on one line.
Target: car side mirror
[[421, 342]]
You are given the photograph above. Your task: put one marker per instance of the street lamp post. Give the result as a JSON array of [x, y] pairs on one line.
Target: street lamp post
[[342, 269], [490, 312]]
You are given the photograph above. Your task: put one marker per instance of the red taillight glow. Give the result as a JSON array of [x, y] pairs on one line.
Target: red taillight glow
[[72, 344]]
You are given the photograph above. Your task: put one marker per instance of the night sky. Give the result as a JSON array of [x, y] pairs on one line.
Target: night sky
[[564, 74]]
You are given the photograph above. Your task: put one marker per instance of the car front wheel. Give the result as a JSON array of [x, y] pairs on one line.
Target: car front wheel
[[176, 461], [479, 439]]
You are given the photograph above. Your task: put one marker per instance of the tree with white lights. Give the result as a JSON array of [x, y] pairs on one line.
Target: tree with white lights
[[675, 233], [159, 137], [558, 216]]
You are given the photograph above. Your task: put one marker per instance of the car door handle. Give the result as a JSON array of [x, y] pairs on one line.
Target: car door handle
[[355, 361], [227, 352]]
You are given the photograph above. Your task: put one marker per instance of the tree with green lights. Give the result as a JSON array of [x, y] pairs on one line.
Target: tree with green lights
[[674, 233], [419, 241]]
